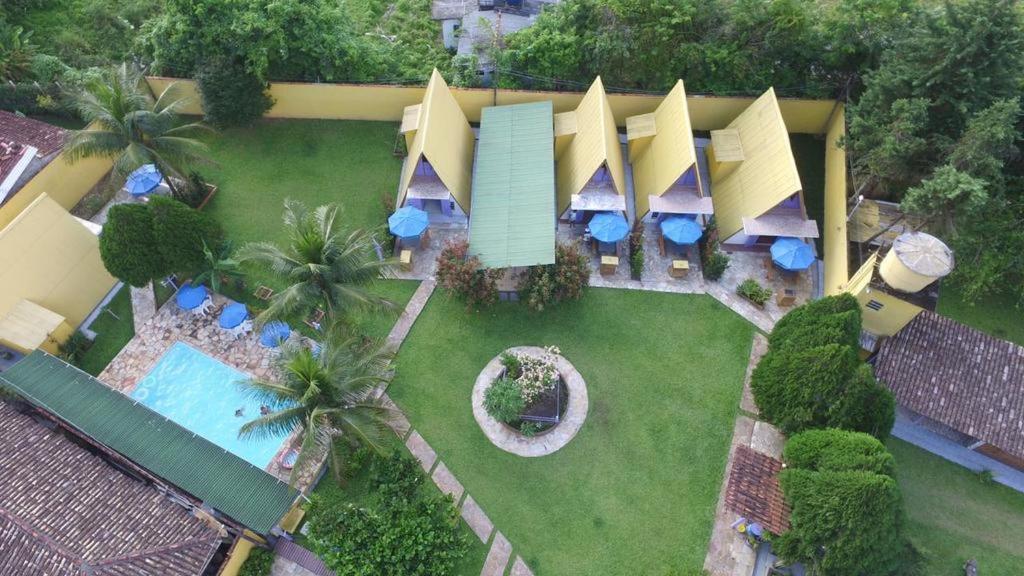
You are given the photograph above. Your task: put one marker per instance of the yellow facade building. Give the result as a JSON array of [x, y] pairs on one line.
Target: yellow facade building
[[755, 185], [590, 175], [438, 171], [51, 276], [666, 176]]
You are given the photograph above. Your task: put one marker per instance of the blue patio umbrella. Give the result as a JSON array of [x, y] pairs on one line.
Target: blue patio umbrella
[[681, 230], [233, 315], [143, 180], [274, 333], [190, 297], [608, 227], [408, 222], [792, 253]]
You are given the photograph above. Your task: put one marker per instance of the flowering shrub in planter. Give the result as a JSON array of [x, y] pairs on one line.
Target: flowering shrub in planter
[[527, 381]]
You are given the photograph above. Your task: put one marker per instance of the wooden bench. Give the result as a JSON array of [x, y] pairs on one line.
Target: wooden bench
[[263, 293], [786, 298], [679, 268], [405, 260], [609, 264]]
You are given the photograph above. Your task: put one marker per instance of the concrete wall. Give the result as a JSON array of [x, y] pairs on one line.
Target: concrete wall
[[63, 182], [51, 259], [370, 102]]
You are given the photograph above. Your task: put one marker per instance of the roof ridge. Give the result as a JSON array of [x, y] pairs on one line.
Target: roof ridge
[[113, 561], [48, 542]]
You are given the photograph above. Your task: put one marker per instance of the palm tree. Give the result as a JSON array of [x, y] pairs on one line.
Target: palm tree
[[323, 265], [16, 53], [328, 393], [127, 125]]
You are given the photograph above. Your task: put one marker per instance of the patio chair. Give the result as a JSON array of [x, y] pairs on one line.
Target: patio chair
[[203, 309], [315, 318], [241, 330]]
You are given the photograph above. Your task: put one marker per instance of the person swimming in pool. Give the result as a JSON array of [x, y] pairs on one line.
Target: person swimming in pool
[[240, 412], [264, 410]]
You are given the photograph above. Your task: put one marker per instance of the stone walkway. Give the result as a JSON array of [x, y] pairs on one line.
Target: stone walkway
[[143, 305], [728, 552]]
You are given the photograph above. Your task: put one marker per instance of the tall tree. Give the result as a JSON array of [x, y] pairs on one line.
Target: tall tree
[[329, 394], [133, 129], [322, 264]]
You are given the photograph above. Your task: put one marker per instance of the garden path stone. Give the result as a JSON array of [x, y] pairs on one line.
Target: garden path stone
[[447, 482], [421, 450], [396, 419], [519, 568], [478, 521], [767, 439], [408, 317], [497, 557], [728, 553], [143, 305]]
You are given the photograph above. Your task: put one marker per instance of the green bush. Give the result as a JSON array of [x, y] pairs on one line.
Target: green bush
[[400, 532], [838, 451], [847, 510], [713, 261], [513, 365], [830, 320], [72, 350], [180, 232], [503, 400], [232, 96], [754, 292], [822, 387], [259, 563], [566, 279], [128, 245], [461, 275]]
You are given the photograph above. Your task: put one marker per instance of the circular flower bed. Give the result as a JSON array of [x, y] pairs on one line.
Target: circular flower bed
[[530, 401]]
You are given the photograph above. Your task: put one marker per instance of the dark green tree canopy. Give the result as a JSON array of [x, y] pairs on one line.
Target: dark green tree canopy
[[181, 232], [128, 246]]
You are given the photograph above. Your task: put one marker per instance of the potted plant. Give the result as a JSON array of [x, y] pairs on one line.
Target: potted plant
[[528, 395]]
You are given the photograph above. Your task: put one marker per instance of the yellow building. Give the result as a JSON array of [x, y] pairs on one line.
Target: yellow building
[[51, 276], [755, 185], [590, 175], [437, 175], [666, 177]]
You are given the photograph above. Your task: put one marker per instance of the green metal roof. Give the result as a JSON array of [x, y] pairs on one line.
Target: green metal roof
[[220, 479], [513, 217]]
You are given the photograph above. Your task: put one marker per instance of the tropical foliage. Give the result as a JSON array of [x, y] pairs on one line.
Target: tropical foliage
[[847, 510], [400, 531], [132, 129], [566, 279], [462, 276], [323, 265], [328, 394]]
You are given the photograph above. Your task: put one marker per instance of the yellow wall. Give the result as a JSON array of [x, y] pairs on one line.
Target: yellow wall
[[834, 228], [238, 555], [894, 315], [669, 154], [48, 257], [373, 102], [63, 182]]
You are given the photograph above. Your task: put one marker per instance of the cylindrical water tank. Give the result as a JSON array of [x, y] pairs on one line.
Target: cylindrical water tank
[[915, 261]]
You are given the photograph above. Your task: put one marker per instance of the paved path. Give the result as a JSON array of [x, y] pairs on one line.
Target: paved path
[[143, 305], [500, 552]]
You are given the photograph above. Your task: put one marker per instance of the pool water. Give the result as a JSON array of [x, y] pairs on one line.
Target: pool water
[[201, 394]]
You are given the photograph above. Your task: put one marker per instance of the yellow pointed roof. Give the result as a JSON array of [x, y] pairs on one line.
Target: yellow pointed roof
[[765, 176], [595, 143], [444, 137], [671, 151]]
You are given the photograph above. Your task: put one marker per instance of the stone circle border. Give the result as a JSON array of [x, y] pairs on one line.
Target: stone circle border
[[511, 441]]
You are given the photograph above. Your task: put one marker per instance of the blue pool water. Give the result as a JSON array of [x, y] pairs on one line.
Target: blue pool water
[[199, 393]]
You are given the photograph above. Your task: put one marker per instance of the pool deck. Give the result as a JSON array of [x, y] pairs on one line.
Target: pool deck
[[171, 324]]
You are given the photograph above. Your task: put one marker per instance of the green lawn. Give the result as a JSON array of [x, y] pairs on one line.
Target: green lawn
[[996, 315], [114, 328], [953, 516], [635, 491], [315, 161]]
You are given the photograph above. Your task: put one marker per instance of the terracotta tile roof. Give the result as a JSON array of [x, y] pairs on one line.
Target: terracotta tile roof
[[66, 512], [959, 376], [46, 138], [754, 492]]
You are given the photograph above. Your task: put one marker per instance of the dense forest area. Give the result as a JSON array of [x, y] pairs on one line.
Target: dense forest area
[[933, 88]]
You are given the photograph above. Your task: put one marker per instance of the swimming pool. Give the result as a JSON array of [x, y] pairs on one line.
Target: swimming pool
[[199, 393]]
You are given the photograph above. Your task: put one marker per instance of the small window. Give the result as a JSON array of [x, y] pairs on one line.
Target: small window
[[875, 305]]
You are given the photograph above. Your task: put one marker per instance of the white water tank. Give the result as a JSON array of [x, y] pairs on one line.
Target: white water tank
[[915, 261]]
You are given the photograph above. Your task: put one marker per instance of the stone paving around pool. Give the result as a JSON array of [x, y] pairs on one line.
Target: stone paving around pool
[[171, 324]]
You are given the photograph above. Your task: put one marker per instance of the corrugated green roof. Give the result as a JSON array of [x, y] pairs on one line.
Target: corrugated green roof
[[222, 480], [513, 217]]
